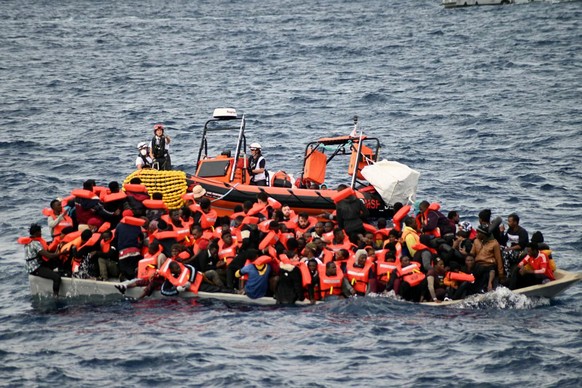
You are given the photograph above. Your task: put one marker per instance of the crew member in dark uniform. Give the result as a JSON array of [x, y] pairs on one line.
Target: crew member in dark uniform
[[160, 149]]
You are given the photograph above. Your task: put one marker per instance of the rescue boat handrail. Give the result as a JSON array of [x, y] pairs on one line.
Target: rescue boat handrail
[[241, 134]]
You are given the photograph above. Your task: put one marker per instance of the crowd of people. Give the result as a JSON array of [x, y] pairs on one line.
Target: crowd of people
[[264, 248]]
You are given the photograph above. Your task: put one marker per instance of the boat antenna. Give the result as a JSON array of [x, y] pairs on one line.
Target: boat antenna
[[241, 132], [355, 131]]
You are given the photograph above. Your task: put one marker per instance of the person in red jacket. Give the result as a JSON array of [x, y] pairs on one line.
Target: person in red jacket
[[532, 269]]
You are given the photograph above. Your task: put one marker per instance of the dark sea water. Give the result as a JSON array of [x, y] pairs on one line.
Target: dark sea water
[[486, 102]]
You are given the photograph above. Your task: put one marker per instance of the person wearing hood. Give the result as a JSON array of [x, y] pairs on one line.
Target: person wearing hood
[[351, 214], [289, 285]]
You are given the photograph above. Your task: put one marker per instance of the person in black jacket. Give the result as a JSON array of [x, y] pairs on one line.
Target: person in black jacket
[[289, 286], [351, 214]]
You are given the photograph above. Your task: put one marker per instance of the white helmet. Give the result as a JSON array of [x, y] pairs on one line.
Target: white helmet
[[255, 145], [142, 145]]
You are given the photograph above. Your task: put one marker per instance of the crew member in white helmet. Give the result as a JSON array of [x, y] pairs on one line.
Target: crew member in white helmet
[[143, 160], [257, 166]]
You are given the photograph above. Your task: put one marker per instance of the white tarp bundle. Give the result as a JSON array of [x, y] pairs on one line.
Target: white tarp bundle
[[395, 182]]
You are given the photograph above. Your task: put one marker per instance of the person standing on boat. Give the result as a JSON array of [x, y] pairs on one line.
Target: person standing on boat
[[257, 166], [160, 148], [488, 262], [351, 214], [143, 159], [39, 261]]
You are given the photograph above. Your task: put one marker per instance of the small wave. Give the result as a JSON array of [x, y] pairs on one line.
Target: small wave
[[503, 299]]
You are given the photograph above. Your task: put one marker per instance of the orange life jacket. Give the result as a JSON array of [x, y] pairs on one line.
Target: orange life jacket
[[358, 277], [411, 274], [64, 223], [330, 285], [184, 277]]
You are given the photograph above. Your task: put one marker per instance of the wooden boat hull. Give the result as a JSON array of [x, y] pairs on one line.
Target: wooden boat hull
[[226, 196], [92, 289], [86, 288], [564, 280]]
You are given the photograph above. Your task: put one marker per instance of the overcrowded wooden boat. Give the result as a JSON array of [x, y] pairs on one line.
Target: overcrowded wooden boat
[[224, 180]]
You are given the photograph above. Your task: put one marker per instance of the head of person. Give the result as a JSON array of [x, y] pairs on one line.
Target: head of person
[[174, 269], [94, 224], [469, 262], [262, 197], [361, 257], [113, 186], [483, 232], [227, 237], [142, 148], [159, 130], [312, 265], [303, 220], [453, 216], [204, 204], [513, 220], [286, 209], [56, 206], [175, 250], [440, 265], [342, 254], [153, 247], [196, 231], [533, 249], [404, 261], [331, 269], [88, 184], [86, 235], [485, 216], [328, 226], [35, 230], [213, 249], [175, 214], [423, 206], [255, 149]]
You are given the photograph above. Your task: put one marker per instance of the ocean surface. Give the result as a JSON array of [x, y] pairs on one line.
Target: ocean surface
[[485, 102]]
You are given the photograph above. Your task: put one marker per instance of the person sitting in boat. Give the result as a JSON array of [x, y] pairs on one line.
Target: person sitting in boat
[[128, 241], [460, 290], [433, 222], [312, 286], [333, 283], [351, 214], [436, 289], [360, 273], [143, 159], [207, 262], [39, 261], [136, 193], [160, 149], [288, 213], [414, 248], [488, 262], [258, 273], [412, 280], [257, 166], [206, 217], [89, 205], [107, 257], [289, 285], [533, 269]]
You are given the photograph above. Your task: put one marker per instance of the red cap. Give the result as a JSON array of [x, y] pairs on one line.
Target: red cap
[[127, 213]]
